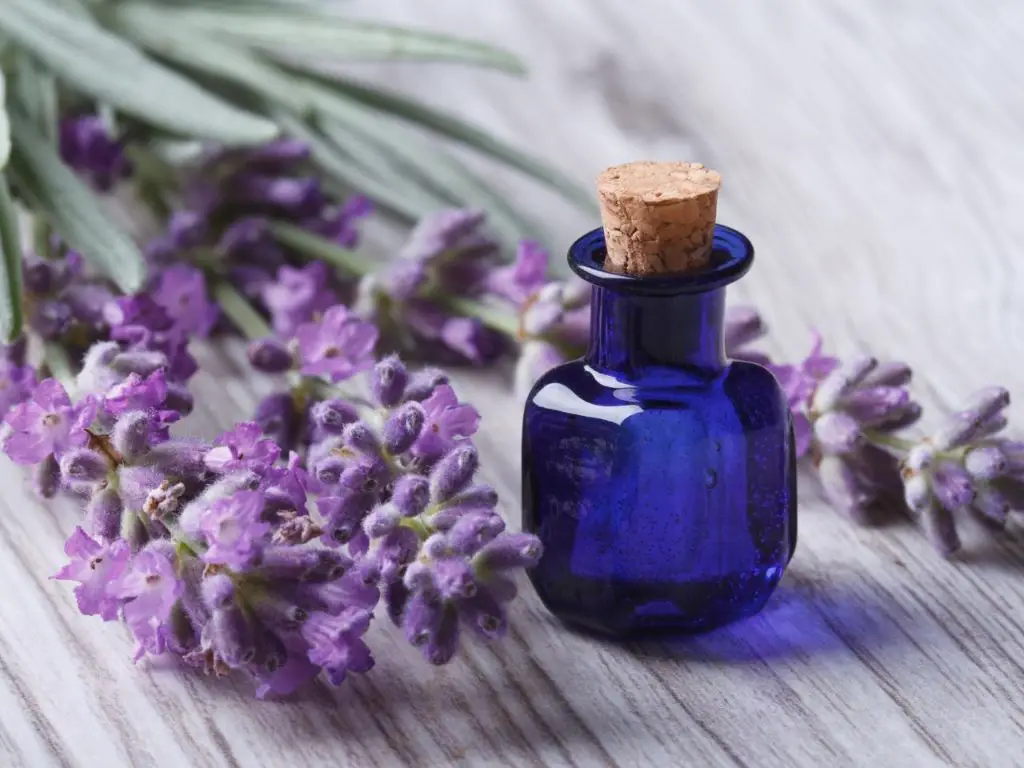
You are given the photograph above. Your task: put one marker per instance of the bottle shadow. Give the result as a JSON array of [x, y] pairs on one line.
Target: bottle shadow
[[807, 617]]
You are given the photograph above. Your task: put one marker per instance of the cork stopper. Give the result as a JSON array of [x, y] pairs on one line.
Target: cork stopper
[[658, 217]]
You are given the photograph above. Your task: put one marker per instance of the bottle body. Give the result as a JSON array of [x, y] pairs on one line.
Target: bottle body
[[659, 476]]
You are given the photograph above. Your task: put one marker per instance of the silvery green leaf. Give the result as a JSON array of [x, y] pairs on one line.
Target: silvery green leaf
[[311, 31], [5, 127], [440, 122], [10, 266], [35, 91], [434, 168], [383, 190], [106, 67], [55, 192]]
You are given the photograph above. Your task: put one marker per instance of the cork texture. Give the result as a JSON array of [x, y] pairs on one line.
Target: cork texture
[[658, 217]]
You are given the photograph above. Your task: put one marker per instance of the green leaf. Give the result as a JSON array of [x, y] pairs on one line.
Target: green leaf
[[35, 91], [5, 126], [10, 266], [450, 126], [387, 191], [103, 65], [71, 208], [313, 31]]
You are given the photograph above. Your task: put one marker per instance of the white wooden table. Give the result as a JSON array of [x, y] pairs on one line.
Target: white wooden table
[[874, 152]]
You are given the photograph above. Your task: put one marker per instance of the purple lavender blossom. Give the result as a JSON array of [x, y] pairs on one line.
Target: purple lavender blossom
[[448, 422], [339, 346], [150, 588], [243, 448], [86, 146], [523, 278], [45, 424], [298, 296], [336, 644], [234, 531], [16, 383], [799, 383], [95, 567], [181, 291], [966, 466]]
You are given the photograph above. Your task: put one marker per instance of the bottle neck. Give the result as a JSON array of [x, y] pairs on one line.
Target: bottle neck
[[630, 332]]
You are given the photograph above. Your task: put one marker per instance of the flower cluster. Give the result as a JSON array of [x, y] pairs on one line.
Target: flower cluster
[[237, 558], [224, 225], [87, 146]]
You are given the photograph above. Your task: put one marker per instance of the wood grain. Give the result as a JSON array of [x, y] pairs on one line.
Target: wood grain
[[873, 153]]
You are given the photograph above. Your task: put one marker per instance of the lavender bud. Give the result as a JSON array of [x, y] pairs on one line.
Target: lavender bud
[[455, 579], [837, 433], [140, 361], [277, 612], [38, 276], [329, 470], [270, 355], [179, 399], [421, 619], [396, 596], [389, 379], [973, 421], [985, 462], [84, 465], [952, 486], [231, 637], [454, 472], [131, 434], [403, 428], [288, 563], [992, 506], [876, 405], [360, 437], [841, 382], [46, 477], [436, 547], [103, 515], [941, 529], [276, 416], [178, 458], [411, 495], [367, 477], [419, 577], [330, 566], [218, 591], [921, 457], [133, 530], [472, 531], [332, 416], [382, 521], [514, 550], [843, 487], [889, 375], [271, 652], [484, 614], [424, 384], [917, 493], [441, 648]]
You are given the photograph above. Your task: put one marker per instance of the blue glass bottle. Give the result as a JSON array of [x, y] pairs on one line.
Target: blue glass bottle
[[659, 475]]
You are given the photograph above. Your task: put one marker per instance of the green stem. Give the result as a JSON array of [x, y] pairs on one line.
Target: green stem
[[321, 248], [317, 247], [491, 316], [883, 440], [239, 311]]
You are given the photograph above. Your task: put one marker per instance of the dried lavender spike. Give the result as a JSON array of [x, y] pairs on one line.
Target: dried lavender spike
[[973, 421], [841, 381], [941, 530], [985, 462]]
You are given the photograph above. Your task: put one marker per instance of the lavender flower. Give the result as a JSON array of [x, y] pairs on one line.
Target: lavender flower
[[181, 291], [243, 448], [45, 424], [842, 417], [339, 346], [298, 296], [446, 255], [95, 567], [965, 466], [149, 588], [86, 146]]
